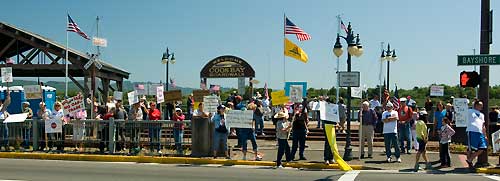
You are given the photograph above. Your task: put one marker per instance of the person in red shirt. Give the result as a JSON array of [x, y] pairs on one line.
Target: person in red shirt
[[404, 124], [154, 114], [178, 129]]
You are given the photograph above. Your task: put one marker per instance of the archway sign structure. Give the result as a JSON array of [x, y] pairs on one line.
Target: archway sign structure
[[228, 66]]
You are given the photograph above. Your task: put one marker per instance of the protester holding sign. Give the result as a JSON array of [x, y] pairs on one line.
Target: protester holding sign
[[221, 131], [282, 133], [57, 114], [27, 129], [178, 129], [43, 114]]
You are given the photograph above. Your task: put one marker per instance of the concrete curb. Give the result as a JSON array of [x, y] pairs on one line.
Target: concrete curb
[[488, 170], [164, 160]]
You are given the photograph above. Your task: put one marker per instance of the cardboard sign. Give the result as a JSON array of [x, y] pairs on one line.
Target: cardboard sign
[[132, 98], [239, 119], [16, 118], [332, 112], [53, 126], [33, 91], [173, 95], [7, 74], [211, 103], [279, 98], [461, 110], [117, 95], [437, 90], [73, 105], [199, 94], [159, 95], [495, 140]]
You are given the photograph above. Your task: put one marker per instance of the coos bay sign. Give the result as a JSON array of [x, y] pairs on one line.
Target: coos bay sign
[[227, 66]]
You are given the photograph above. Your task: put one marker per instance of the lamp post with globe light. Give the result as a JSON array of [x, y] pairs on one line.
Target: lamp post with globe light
[[388, 56], [353, 48], [166, 59]]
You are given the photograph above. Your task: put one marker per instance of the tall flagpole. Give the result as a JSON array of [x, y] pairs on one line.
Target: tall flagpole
[[66, 62], [284, 63]]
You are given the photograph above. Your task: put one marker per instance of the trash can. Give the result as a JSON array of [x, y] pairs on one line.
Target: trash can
[[201, 137]]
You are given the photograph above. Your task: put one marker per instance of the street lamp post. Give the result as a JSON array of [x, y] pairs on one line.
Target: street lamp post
[[166, 59], [354, 48], [388, 56]]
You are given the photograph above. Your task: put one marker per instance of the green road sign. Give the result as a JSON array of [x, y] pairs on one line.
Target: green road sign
[[478, 60]]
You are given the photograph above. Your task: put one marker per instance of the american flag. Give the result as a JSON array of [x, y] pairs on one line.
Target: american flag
[[266, 92], [342, 25], [291, 28], [172, 83], [203, 86], [73, 27], [214, 87], [395, 100], [140, 86]]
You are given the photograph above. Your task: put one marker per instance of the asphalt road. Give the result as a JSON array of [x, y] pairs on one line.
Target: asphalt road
[[13, 169]]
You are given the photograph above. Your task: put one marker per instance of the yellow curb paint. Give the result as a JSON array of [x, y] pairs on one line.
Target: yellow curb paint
[[488, 170], [167, 160]]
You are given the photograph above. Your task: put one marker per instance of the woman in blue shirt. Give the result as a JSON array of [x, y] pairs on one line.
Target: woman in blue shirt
[[221, 131], [439, 114]]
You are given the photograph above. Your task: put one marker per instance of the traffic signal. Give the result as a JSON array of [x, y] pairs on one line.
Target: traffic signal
[[469, 79]]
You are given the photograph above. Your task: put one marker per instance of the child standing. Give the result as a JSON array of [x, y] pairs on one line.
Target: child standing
[[282, 130], [444, 144], [422, 137]]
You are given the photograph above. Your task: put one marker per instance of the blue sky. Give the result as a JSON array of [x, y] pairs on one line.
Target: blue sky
[[426, 34]]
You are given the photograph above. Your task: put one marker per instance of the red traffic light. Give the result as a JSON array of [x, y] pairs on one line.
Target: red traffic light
[[469, 79]]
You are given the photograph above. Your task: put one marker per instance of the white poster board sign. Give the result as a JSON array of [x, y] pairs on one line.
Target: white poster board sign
[[73, 105], [332, 112], [495, 139], [159, 95], [53, 126], [16, 118], [296, 93], [132, 98], [117, 95], [32, 91], [6, 74], [437, 90], [357, 92], [315, 106], [322, 110], [239, 119], [461, 110], [211, 103]]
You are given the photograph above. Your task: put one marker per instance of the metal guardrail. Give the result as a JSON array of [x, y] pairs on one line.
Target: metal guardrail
[[101, 136]]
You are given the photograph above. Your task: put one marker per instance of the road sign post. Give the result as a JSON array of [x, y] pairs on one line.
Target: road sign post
[[349, 79]]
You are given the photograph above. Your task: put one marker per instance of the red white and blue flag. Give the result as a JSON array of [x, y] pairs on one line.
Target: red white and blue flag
[[214, 88], [342, 25], [73, 27], [291, 28], [266, 92], [395, 100], [172, 83]]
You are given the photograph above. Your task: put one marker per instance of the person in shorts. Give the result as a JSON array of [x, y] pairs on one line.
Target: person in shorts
[[476, 133]]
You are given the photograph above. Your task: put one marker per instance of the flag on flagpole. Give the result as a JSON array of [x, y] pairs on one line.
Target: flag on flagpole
[[294, 51], [342, 25], [395, 100], [172, 83], [266, 92], [73, 27], [291, 28]]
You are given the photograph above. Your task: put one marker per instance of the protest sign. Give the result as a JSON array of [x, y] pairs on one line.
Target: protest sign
[[495, 140], [73, 105], [239, 119], [296, 93], [461, 109], [357, 92], [198, 95], [6, 74], [211, 103], [132, 98], [53, 126], [322, 110], [32, 91], [279, 98], [173, 95], [159, 95], [117, 95], [437, 90], [332, 112], [16, 118]]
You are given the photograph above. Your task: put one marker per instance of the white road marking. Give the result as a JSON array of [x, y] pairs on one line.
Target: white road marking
[[492, 177], [349, 176]]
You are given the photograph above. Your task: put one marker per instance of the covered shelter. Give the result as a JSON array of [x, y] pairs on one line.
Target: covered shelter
[[26, 46]]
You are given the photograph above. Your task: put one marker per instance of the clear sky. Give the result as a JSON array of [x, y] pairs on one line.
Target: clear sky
[[427, 36]]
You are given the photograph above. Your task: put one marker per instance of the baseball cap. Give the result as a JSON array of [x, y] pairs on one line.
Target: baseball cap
[[221, 107], [389, 104]]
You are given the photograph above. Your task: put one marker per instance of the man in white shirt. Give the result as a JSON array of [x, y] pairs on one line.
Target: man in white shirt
[[375, 103], [390, 119], [476, 133]]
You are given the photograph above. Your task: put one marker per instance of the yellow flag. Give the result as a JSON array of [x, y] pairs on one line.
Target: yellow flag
[[294, 51], [330, 135]]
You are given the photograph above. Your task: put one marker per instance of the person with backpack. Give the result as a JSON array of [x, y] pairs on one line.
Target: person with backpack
[[369, 120], [405, 114]]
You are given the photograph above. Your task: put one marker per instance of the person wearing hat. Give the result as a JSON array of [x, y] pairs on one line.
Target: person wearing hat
[[27, 109], [449, 111], [282, 133], [221, 131], [179, 129], [369, 120], [390, 118], [404, 126]]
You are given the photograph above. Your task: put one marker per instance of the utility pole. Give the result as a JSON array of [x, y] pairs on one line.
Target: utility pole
[[484, 71]]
